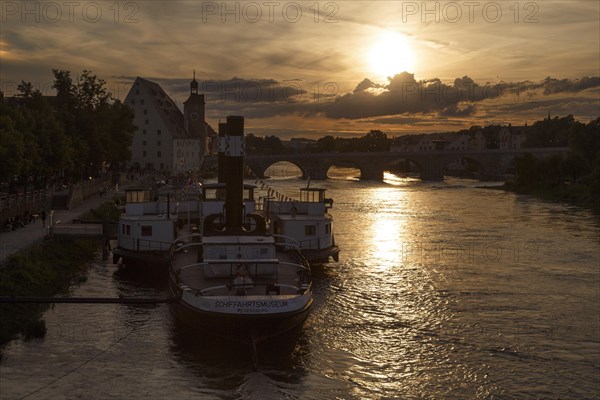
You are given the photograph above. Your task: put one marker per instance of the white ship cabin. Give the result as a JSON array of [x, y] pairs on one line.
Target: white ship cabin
[[251, 263], [146, 225], [307, 220]]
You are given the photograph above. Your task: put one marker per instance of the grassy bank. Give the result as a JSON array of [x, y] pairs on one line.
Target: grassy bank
[[107, 211], [575, 194], [46, 269]]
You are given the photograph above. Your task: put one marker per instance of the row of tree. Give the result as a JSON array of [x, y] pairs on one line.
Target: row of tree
[[68, 136], [574, 178], [374, 140], [550, 132]]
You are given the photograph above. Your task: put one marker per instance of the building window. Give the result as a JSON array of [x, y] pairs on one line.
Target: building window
[[158, 143], [132, 101], [310, 230], [146, 230], [158, 132], [144, 153], [146, 122], [126, 229], [143, 143], [142, 102], [162, 166], [327, 229], [137, 91], [158, 154], [145, 112], [144, 132]]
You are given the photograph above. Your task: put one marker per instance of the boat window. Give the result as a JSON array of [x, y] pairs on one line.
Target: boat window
[[146, 230], [310, 230]]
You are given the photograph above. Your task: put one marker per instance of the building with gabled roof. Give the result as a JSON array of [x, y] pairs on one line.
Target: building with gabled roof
[[166, 139], [511, 137]]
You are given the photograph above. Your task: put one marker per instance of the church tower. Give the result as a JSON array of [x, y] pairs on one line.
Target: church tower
[[193, 115]]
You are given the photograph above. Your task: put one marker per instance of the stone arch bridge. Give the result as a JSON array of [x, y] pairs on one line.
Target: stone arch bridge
[[493, 163]]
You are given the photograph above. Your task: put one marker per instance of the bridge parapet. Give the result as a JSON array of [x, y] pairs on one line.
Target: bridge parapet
[[493, 162]]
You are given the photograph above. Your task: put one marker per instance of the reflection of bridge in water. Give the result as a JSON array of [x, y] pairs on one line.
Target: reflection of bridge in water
[[492, 164]]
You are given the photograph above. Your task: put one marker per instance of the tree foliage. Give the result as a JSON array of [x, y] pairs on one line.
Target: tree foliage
[[70, 135], [575, 177]]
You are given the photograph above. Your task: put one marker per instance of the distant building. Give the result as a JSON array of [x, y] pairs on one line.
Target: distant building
[[467, 142], [426, 143], [300, 143], [477, 142], [166, 139], [511, 137], [460, 142]]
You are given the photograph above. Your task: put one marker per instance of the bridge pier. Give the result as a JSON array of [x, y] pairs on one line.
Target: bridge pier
[[314, 173], [432, 174], [371, 174]]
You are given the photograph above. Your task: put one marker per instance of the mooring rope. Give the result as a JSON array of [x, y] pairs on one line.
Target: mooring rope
[[88, 360]]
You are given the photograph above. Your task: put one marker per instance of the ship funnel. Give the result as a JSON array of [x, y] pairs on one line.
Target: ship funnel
[[232, 168], [221, 152]]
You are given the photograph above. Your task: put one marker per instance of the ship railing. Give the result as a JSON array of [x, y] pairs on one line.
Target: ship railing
[[257, 279], [209, 290], [287, 241], [293, 248], [136, 244], [184, 242]]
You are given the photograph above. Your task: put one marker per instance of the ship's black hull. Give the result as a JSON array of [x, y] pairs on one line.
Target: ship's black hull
[[322, 256], [244, 328], [141, 259]]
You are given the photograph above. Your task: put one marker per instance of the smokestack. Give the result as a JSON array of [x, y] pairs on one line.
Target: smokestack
[[233, 173], [221, 152]]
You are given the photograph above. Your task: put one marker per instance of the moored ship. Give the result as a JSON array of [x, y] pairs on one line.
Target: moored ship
[[235, 279]]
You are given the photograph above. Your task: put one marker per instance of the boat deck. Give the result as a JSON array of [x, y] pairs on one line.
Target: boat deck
[[250, 277]]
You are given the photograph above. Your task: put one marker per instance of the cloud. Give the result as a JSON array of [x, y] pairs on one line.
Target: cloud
[[403, 94], [551, 85]]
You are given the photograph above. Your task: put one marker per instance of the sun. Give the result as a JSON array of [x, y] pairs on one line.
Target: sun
[[391, 54]]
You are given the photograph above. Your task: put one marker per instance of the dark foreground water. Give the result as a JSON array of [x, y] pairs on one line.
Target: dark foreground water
[[443, 291]]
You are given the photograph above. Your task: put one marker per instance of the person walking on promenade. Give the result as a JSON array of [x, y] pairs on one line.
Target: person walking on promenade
[[43, 217]]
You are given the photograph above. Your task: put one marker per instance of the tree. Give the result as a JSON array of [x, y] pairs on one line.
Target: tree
[[325, 144], [12, 148], [25, 90]]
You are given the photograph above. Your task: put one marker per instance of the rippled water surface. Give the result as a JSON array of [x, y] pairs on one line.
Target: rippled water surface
[[443, 291]]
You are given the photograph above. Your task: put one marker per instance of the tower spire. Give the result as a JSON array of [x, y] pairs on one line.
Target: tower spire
[[194, 84]]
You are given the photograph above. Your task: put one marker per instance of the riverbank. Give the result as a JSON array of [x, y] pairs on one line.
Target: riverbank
[[575, 194], [44, 270]]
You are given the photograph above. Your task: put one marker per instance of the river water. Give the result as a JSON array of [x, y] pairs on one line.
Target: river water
[[443, 291]]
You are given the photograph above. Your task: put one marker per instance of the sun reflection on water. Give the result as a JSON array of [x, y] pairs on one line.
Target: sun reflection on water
[[388, 227]]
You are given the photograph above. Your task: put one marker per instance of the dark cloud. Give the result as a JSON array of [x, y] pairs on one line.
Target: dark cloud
[[366, 84], [403, 94], [236, 90], [552, 85]]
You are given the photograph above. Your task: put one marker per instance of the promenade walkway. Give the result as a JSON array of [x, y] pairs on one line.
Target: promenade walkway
[[22, 238]]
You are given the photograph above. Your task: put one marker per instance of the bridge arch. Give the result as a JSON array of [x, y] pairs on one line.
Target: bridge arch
[[465, 167], [331, 165], [404, 164], [282, 169]]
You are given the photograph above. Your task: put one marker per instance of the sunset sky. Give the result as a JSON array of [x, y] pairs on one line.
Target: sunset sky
[[311, 68]]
